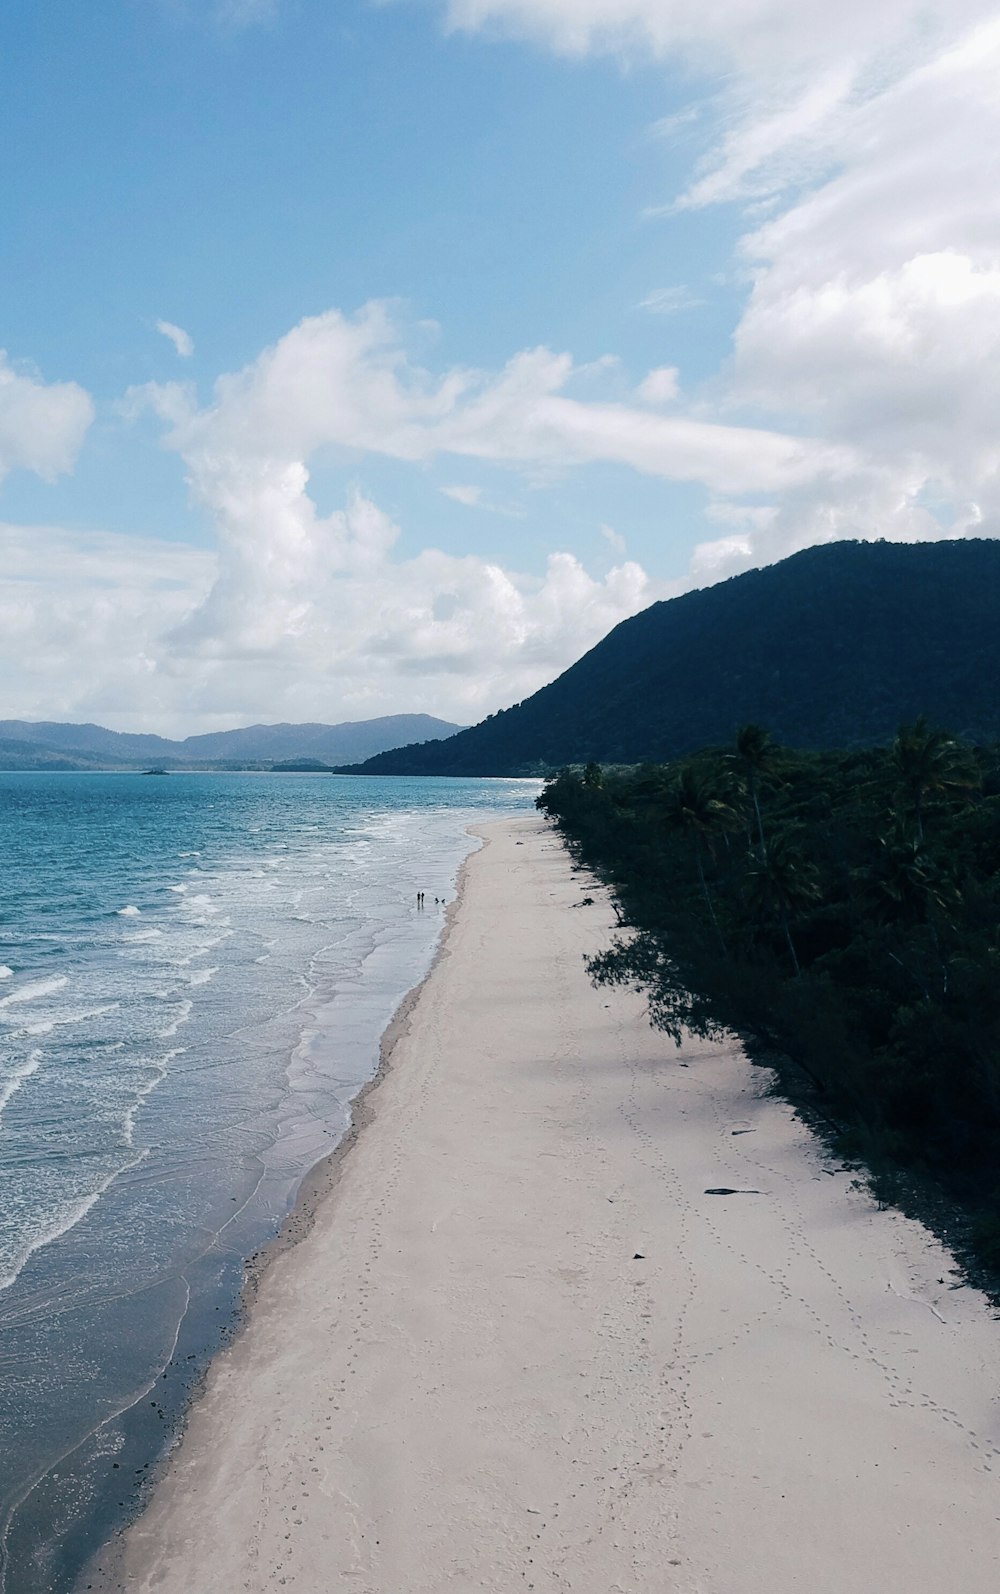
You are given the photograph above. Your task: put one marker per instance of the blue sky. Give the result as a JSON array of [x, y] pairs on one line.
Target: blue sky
[[328, 511]]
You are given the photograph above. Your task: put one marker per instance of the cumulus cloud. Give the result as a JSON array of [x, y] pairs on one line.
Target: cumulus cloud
[[909, 355], [181, 340], [308, 618], [457, 634], [42, 424], [661, 385], [313, 614]]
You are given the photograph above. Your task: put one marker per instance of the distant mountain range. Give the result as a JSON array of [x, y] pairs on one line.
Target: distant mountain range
[[27, 744], [833, 647]]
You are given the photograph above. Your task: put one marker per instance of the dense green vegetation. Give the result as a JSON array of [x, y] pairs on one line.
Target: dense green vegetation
[[841, 909], [833, 647]]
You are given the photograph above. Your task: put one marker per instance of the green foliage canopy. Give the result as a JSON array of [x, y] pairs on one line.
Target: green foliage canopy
[[843, 906]]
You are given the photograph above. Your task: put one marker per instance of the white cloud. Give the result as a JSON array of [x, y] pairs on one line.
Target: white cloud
[[669, 127], [342, 383], [614, 538], [81, 618], [762, 38], [910, 357], [181, 340], [669, 301], [713, 561], [474, 498], [764, 149], [661, 386], [875, 310], [42, 424]]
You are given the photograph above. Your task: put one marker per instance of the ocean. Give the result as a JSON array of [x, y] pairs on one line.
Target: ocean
[[195, 971]]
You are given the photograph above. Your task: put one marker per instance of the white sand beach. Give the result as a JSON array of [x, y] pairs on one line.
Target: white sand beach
[[521, 1348]]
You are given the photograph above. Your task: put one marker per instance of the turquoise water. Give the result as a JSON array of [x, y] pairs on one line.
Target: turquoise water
[[194, 974]]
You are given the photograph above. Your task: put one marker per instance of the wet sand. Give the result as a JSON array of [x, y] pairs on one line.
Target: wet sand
[[516, 1345]]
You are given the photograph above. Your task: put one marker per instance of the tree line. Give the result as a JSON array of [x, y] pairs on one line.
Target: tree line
[[841, 909]]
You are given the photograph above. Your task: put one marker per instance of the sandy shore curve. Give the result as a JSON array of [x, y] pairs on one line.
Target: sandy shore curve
[[519, 1346]]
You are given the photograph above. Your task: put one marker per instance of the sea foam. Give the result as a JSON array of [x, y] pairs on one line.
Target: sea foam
[[45, 1026], [34, 990], [14, 1080], [61, 1224], [183, 1012]]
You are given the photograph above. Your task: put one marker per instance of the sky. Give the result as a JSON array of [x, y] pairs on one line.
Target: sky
[[368, 358]]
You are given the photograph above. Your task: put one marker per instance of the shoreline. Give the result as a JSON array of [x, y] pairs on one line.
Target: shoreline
[[102, 1570], [521, 1297], [320, 1182]]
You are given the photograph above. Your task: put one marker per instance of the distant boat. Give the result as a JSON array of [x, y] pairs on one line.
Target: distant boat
[[156, 772]]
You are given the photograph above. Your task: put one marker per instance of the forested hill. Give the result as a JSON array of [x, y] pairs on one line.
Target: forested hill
[[31, 744], [833, 647]]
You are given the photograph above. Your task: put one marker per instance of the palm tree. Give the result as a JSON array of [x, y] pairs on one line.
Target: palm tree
[[694, 807], [910, 887], [909, 884], [930, 761], [755, 758], [781, 884]]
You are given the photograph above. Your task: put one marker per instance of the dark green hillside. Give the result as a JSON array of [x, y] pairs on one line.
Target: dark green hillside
[[833, 647]]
